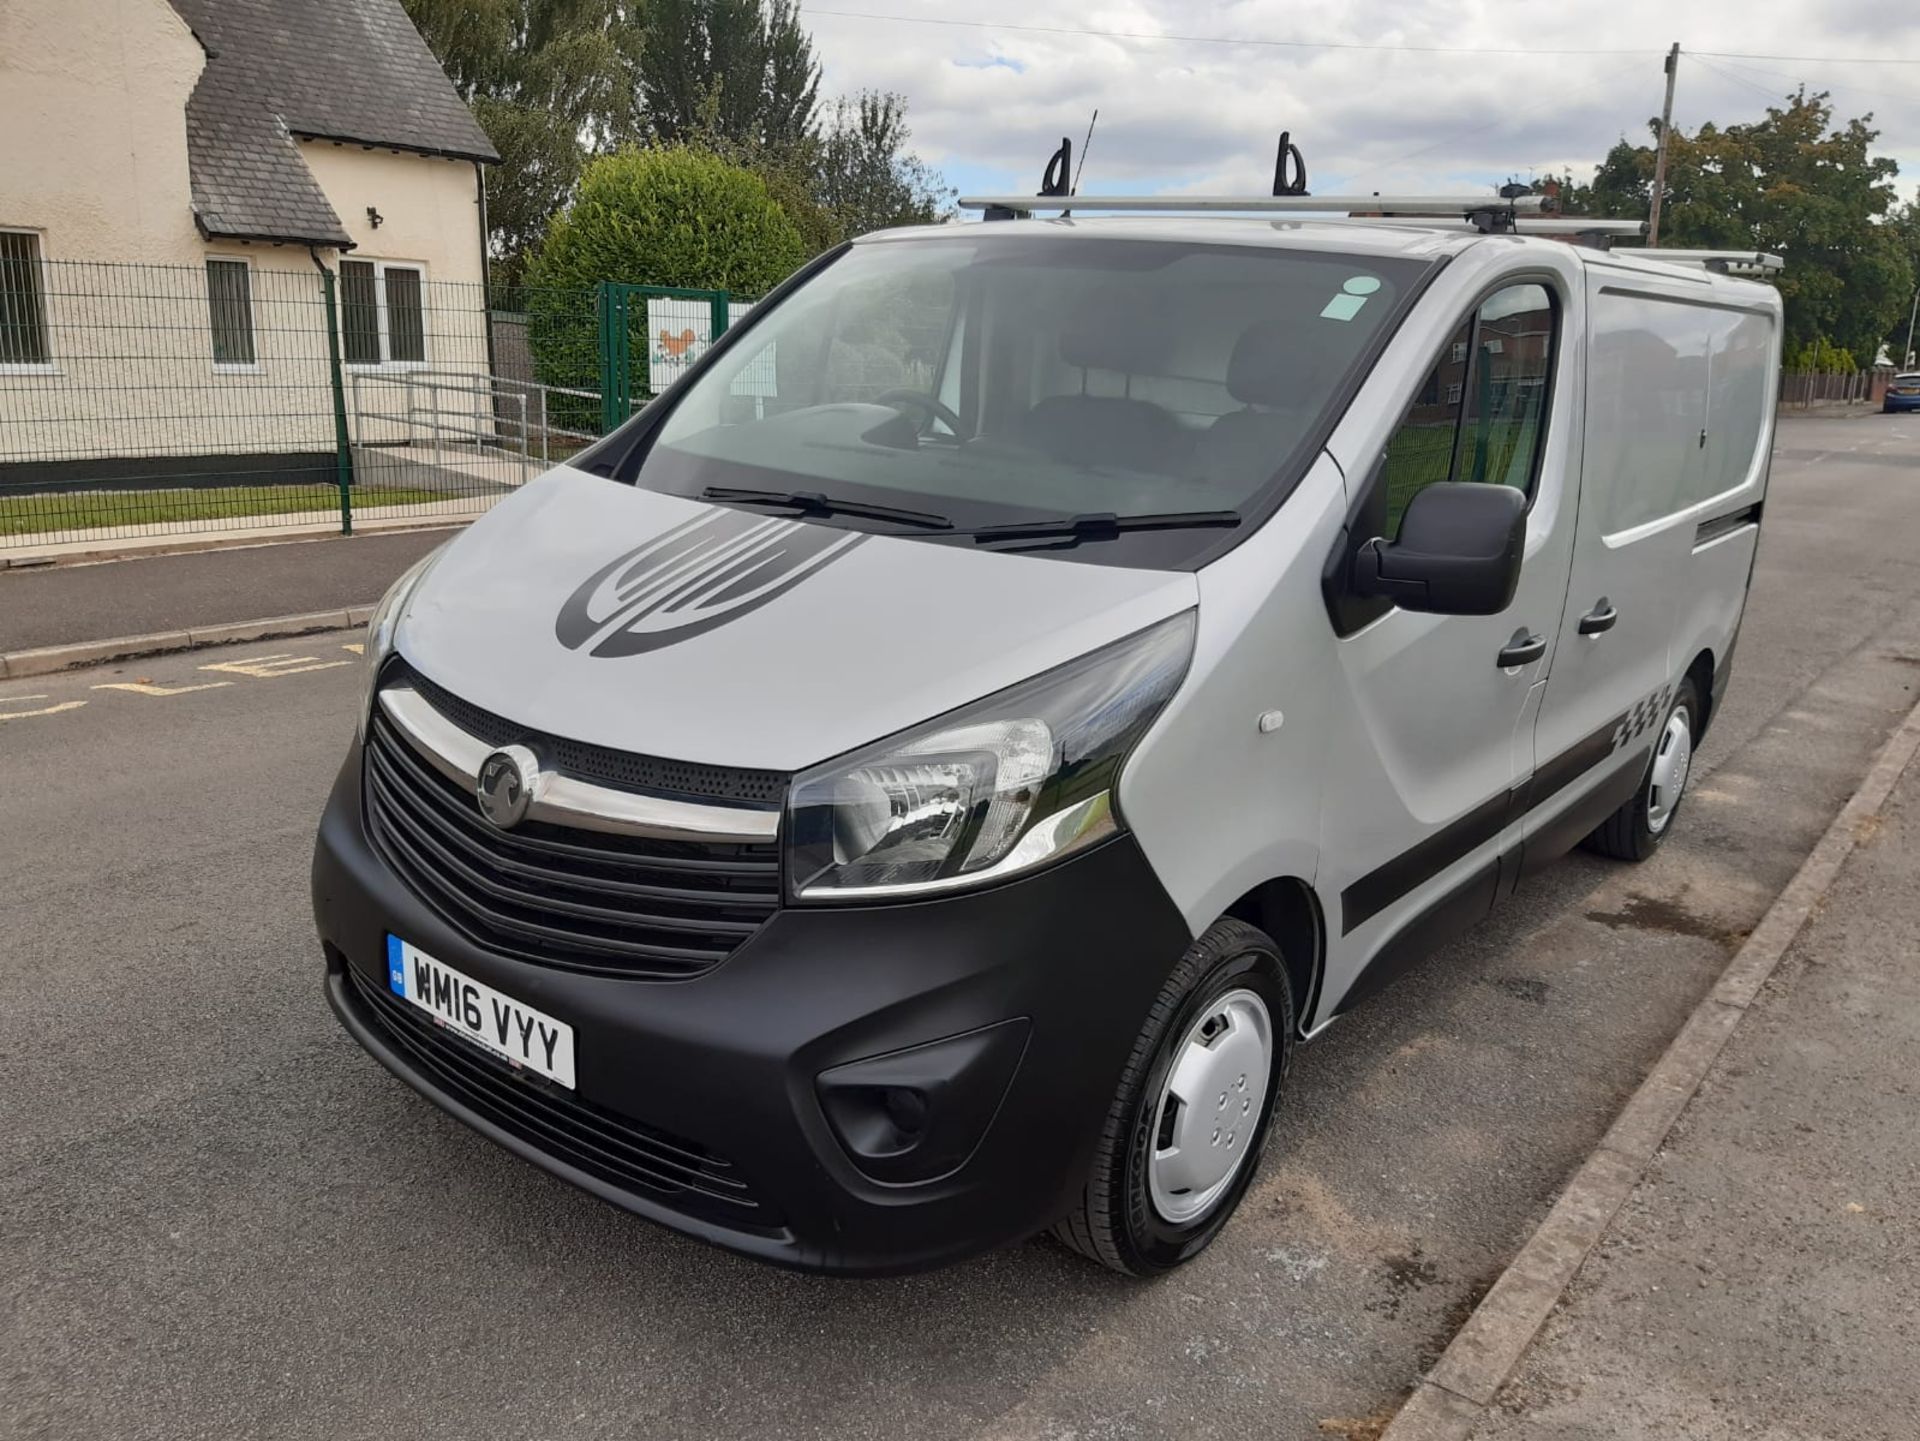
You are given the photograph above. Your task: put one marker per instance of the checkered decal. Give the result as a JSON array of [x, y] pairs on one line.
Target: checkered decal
[[1643, 717]]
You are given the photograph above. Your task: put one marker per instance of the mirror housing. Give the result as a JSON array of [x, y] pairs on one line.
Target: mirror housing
[[1458, 552]]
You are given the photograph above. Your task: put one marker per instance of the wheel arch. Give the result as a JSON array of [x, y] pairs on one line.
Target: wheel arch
[[1287, 910]]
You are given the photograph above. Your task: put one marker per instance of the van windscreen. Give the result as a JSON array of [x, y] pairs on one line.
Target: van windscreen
[[990, 381]]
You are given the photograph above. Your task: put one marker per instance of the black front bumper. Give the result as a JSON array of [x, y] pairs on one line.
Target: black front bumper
[[748, 1106]]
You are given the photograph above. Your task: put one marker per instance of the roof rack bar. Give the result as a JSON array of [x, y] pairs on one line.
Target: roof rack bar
[[1723, 260], [1458, 206]]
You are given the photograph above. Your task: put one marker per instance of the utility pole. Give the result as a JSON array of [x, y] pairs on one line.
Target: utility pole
[[1660, 158], [1906, 360]]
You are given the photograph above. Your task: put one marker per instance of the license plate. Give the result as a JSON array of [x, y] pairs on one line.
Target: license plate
[[511, 1029]]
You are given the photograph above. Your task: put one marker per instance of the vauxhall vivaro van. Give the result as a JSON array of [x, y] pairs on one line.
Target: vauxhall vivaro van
[[915, 784]]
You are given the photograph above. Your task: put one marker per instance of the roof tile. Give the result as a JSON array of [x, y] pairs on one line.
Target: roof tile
[[339, 69]]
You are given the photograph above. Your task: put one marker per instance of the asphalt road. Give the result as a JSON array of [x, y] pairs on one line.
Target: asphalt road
[[64, 603], [222, 1219]]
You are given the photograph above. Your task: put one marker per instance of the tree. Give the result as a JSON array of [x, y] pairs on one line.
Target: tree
[[867, 179], [550, 81], [739, 70], [1905, 230], [1794, 183]]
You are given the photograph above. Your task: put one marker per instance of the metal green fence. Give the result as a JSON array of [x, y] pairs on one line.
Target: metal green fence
[[261, 392]]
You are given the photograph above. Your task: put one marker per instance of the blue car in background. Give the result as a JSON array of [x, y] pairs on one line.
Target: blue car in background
[[1903, 392]]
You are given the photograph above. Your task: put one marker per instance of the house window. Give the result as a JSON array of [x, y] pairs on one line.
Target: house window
[[382, 313], [23, 305], [230, 313]]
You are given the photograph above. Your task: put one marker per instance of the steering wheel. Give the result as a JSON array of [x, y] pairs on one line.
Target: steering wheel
[[927, 404]]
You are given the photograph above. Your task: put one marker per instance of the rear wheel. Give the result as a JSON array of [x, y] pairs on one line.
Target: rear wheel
[[1635, 831], [1184, 1135]]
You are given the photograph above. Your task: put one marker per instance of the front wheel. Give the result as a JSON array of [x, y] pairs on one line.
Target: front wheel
[[1187, 1125], [1635, 831]]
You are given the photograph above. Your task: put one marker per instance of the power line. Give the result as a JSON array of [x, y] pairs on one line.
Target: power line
[[1803, 79], [1725, 74], [1808, 59], [1256, 40]]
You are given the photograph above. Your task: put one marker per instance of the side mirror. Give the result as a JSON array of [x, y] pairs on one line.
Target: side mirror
[[1458, 552]]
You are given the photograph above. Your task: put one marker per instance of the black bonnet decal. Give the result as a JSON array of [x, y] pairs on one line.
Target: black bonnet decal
[[712, 569]]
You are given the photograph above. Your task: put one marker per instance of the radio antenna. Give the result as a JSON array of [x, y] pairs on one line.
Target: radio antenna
[[1085, 145]]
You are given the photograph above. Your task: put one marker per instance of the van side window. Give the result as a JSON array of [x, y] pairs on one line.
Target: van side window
[[1481, 411], [1422, 449], [1507, 392]]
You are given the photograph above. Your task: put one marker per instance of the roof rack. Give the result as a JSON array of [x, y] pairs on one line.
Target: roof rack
[[1724, 262], [1515, 210], [1600, 233], [1486, 212]]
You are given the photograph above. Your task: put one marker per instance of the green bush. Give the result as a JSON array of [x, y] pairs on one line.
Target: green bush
[[1822, 355], [669, 216]]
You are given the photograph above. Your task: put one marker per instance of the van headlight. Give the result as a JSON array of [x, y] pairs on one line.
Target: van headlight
[[994, 788], [385, 622]]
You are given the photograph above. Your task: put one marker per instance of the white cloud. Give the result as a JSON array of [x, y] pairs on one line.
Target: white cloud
[[988, 104]]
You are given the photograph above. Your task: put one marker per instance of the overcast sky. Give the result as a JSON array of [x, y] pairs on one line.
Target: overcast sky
[[988, 101]]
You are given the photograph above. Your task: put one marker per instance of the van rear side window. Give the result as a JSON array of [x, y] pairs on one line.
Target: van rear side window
[[1481, 413]]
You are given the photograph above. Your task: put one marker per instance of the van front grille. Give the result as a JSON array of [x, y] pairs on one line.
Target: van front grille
[[556, 896]]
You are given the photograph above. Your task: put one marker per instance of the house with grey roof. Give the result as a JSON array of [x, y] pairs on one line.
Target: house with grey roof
[[199, 201]]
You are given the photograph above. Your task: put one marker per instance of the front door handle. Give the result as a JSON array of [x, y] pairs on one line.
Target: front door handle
[[1600, 618], [1524, 649]]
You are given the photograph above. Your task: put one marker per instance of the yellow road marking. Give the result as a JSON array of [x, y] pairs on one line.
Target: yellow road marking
[[139, 687], [357, 647], [272, 667], [43, 710]]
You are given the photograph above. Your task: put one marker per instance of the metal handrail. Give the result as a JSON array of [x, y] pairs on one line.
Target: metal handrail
[[488, 423]]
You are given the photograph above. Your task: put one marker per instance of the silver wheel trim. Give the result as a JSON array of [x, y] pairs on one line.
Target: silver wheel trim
[[1672, 759], [1210, 1106]]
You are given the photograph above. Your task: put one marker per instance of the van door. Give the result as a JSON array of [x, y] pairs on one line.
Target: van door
[[1645, 465], [1442, 707]]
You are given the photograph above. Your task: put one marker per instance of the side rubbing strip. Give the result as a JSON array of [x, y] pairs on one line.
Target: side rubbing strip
[[1724, 525], [1385, 884], [1567, 767], [1382, 886]]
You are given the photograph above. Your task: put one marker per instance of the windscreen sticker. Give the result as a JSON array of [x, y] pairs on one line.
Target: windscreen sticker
[[1353, 295]]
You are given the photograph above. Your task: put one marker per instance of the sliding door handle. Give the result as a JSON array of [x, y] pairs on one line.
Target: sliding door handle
[[1600, 618], [1524, 649]]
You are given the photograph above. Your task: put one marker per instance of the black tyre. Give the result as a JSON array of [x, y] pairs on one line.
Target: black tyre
[[1635, 831], [1183, 1138]]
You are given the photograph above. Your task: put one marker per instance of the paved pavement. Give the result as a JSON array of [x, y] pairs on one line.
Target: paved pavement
[[1761, 1280], [176, 592], [223, 1219]]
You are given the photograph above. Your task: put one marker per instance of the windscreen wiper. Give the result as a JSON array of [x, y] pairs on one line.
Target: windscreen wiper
[[1105, 525], [812, 502]]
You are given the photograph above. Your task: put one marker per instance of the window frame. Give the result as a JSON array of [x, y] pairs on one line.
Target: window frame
[[235, 367], [382, 321], [50, 365]]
